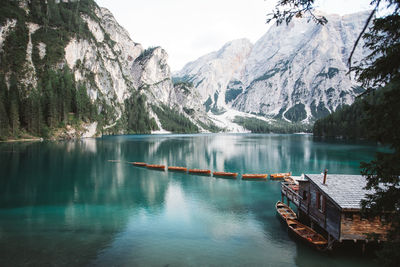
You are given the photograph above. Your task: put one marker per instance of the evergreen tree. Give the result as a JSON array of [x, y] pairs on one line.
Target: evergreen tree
[[14, 107], [4, 120], [37, 123], [54, 13], [80, 102], [26, 115], [68, 89], [14, 48], [49, 105]]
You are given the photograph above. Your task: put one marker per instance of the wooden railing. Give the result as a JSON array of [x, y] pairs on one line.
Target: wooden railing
[[291, 194], [304, 205]]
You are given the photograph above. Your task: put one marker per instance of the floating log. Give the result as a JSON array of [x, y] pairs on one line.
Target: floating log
[[156, 166], [226, 174], [199, 171], [255, 176], [179, 169], [307, 234], [285, 211], [280, 175], [140, 164]]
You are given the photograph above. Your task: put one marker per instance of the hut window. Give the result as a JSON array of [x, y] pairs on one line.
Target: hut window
[[305, 195], [349, 216], [320, 202]]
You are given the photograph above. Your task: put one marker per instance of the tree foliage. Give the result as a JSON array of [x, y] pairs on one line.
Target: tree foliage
[[44, 108], [285, 10], [138, 116], [350, 122], [174, 121]]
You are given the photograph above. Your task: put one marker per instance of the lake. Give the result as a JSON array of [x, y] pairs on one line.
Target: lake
[[65, 203]]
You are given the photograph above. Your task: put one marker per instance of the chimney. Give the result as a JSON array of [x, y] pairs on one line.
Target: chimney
[[325, 173]]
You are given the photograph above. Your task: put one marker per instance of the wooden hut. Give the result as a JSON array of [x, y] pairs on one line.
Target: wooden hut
[[333, 203]]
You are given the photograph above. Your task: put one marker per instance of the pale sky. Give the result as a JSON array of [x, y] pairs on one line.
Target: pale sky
[[188, 29]]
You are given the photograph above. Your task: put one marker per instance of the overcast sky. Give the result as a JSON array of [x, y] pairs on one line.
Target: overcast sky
[[188, 29]]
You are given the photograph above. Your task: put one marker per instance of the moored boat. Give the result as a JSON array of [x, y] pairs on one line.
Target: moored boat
[[255, 176], [307, 234], [280, 175], [294, 187], [199, 171], [155, 166], [285, 211], [140, 164], [225, 174], [175, 168], [289, 180]]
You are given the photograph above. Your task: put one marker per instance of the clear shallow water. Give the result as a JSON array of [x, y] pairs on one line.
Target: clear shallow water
[[64, 203]]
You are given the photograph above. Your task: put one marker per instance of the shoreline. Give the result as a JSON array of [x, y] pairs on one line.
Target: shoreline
[[23, 140], [155, 133]]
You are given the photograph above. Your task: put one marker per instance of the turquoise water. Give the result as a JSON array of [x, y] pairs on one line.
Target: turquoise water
[[64, 203]]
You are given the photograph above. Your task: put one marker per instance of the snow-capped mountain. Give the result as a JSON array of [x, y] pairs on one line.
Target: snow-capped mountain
[[297, 72]]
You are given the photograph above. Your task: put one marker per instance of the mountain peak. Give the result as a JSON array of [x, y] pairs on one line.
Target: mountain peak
[[296, 72]]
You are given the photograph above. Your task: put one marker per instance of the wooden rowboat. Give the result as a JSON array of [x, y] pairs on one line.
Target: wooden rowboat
[[294, 187], [291, 183], [289, 180], [140, 164], [175, 168], [307, 234], [199, 171], [155, 166], [228, 174], [280, 175], [255, 176], [285, 211]]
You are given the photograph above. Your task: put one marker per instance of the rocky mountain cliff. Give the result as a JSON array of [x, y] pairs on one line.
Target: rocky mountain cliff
[[295, 72], [210, 74], [81, 72]]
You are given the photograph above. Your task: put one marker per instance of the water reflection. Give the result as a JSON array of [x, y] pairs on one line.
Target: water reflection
[[65, 203]]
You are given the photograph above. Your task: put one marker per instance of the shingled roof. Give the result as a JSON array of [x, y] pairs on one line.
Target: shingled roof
[[346, 190]]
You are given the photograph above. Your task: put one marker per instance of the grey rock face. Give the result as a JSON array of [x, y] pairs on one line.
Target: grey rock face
[[296, 72]]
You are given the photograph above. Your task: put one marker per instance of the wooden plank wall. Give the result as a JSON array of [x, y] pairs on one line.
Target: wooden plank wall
[[332, 219], [358, 228], [329, 219]]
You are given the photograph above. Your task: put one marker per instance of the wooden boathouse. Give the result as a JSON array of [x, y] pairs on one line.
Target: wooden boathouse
[[333, 203]]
